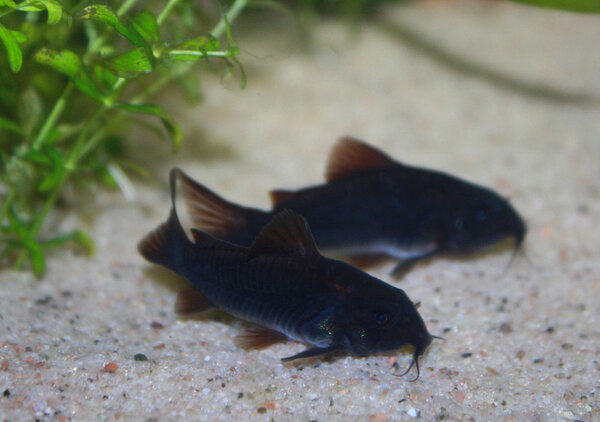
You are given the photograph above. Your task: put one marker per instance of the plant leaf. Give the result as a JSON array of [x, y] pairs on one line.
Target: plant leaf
[[9, 3], [53, 8], [243, 78], [69, 64], [167, 120], [38, 261], [13, 50], [37, 157], [146, 25], [55, 172], [19, 36], [104, 14], [10, 125], [582, 6], [132, 63], [54, 11], [79, 237], [104, 76]]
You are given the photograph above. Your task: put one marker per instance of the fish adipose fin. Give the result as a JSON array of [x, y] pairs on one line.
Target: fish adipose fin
[[280, 196], [191, 301], [259, 338], [211, 213], [308, 353], [287, 233], [351, 156]]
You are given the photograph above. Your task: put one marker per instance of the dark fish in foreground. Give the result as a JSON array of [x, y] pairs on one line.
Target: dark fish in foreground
[[373, 207], [284, 284]]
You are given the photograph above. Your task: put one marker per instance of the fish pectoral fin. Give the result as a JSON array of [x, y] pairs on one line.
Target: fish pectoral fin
[[367, 260], [259, 338], [315, 351], [191, 301], [406, 264], [403, 267]]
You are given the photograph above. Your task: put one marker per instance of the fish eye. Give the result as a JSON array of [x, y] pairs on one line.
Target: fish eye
[[481, 214], [381, 318]]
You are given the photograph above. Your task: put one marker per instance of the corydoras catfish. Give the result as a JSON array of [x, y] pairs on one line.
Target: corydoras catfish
[[372, 207], [282, 283]]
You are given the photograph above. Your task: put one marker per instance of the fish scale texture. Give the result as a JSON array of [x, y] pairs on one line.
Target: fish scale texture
[[500, 94]]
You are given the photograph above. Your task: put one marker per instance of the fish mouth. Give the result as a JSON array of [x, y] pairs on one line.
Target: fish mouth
[[419, 351], [519, 237]]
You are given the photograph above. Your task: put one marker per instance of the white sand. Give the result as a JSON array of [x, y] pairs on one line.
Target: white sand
[[57, 335]]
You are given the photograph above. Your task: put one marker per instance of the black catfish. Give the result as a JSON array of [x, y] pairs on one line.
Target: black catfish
[[371, 207], [284, 284]]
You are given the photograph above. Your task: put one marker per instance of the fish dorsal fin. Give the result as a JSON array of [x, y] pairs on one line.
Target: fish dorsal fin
[[201, 238], [208, 211], [280, 196], [351, 156], [286, 233]]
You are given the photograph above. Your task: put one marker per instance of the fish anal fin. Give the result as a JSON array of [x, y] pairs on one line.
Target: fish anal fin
[[308, 353], [191, 301], [259, 338], [351, 156], [287, 232], [279, 196]]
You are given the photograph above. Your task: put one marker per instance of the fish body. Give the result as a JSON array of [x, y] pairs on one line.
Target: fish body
[[373, 205], [281, 282]]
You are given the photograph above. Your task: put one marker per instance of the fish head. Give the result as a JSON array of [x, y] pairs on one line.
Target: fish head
[[480, 219], [384, 321]]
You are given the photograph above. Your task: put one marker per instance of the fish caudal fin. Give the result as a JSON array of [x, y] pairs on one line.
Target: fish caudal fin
[[165, 244], [218, 217]]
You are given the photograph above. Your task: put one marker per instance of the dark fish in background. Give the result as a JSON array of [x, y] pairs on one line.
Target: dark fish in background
[[285, 285], [373, 207]]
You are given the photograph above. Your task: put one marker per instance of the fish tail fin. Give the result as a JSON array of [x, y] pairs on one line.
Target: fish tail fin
[[165, 244], [218, 217]]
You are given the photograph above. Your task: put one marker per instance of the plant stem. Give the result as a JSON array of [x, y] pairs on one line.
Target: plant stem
[[6, 204], [38, 221], [229, 16], [166, 11], [53, 117], [128, 4], [199, 53], [41, 216], [75, 154]]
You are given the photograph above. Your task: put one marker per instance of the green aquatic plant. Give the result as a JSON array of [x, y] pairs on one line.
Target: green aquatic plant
[[74, 75]]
